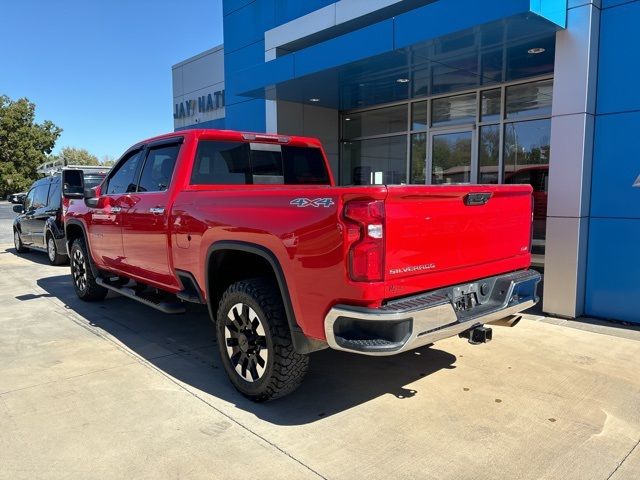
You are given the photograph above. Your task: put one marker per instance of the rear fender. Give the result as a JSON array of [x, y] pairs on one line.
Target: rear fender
[[301, 342]]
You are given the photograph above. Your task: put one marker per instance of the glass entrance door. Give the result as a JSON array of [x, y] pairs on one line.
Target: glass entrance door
[[451, 157]]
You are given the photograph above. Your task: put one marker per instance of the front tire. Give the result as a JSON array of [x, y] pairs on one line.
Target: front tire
[[52, 252], [84, 282], [17, 242], [255, 342]]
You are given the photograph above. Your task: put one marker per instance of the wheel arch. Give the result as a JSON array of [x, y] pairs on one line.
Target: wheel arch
[[74, 229], [263, 261]]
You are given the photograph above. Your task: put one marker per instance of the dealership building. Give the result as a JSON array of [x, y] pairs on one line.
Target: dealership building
[[455, 91]]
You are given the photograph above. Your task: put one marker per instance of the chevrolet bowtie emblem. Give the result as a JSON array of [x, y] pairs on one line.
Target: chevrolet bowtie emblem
[[637, 182]]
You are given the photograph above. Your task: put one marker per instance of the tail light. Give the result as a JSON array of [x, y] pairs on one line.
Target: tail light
[[366, 255]]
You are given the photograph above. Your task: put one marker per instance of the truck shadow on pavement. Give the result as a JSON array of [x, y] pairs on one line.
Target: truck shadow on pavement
[[183, 347], [36, 256]]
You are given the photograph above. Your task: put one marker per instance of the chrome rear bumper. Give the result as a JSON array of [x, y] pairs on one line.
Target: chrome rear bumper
[[412, 322]]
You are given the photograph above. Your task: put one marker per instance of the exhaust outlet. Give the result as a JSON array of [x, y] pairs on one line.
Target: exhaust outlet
[[511, 321]]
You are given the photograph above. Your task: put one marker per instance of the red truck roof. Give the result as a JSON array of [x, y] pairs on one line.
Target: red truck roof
[[235, 136]]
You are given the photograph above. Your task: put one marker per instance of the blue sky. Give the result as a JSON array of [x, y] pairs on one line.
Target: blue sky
[[101, 69]]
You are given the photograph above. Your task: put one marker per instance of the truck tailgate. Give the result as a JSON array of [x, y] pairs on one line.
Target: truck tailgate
[[434, 229]]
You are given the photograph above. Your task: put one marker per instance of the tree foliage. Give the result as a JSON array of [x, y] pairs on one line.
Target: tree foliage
[[76, 156], [24, 144]]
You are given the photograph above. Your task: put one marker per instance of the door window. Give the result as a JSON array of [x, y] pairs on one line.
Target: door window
[[451, 155], [54, 195], [123, 179], [158, 168], [28, 201], [40, 196], [378, 161]]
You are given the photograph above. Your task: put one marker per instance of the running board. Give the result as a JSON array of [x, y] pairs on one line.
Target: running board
[[165, 307]]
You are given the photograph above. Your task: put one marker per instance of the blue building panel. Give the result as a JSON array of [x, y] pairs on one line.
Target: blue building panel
[[615, 3], [619, 65], [237, 61], [613, 275], [447, 16], [616, 166], [247, 25], [248, 116], [229, 6], [287, 10], [353, 46]]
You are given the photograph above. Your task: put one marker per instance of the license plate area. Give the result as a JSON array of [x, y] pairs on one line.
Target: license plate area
[[465, 297]]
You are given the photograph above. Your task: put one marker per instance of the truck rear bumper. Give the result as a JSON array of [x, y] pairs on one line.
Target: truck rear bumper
[[422, 319]]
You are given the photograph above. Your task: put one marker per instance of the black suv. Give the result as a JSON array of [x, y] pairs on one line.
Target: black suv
[[39, 223]]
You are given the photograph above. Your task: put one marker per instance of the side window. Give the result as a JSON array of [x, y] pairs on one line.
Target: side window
[[54, 195], [304, 166], [28, 201], [221, 163], [40, 196], [124, 178], [158, 168]]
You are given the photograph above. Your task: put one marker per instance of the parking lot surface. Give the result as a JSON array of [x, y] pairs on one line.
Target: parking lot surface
[[117, 390]]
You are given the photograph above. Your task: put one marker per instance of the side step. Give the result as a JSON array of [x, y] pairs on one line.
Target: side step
[[149, 301]]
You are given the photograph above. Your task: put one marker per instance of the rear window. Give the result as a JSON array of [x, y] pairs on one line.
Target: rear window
[[232, 163]]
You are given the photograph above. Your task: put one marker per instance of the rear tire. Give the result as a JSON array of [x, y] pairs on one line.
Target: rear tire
[[255, 342], [17, 242], [52, 252], [84, 282]]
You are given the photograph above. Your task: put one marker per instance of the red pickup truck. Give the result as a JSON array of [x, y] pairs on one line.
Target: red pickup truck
[[254, 226]]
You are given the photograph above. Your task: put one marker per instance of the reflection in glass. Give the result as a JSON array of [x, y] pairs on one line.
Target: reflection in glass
[[378, 161], [419, 116], [526, 160], [375, 122], [451, 154], [489, 154], [490, 108], [529, 99], [454, 110], [418, 158]]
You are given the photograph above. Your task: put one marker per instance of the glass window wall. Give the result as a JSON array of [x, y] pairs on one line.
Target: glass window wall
[[487, 136]]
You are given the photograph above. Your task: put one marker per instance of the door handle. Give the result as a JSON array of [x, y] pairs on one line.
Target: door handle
[[157, 210], [116, 209]]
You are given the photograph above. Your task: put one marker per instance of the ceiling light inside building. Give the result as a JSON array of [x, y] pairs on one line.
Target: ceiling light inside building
[[347, 119], [314, 100], [536, 50], [402, 80]]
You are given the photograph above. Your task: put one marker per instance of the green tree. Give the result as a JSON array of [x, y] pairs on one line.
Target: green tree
[[24, 144], [107, 161], [76, 156]]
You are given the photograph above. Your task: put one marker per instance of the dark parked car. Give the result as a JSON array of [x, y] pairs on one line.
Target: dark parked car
[[39, 224], [16, 197]]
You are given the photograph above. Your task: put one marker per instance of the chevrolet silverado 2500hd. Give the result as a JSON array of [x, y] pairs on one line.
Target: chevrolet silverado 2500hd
[[254, 226]]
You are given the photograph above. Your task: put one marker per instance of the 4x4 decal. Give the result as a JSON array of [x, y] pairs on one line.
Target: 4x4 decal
[[318, 202]]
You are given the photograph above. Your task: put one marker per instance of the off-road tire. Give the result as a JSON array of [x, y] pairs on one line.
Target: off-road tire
[[84, 283], [284, 369], [52, 252], [17, 242]]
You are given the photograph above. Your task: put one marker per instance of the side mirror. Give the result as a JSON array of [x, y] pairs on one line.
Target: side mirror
[[72, 184], [18, 208], [91, 197]]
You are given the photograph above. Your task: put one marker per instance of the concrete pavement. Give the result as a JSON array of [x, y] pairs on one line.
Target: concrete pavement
[[117, 390]]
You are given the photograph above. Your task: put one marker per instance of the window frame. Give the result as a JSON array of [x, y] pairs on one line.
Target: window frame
[[176, 141], [126, 156], [475, 124]]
